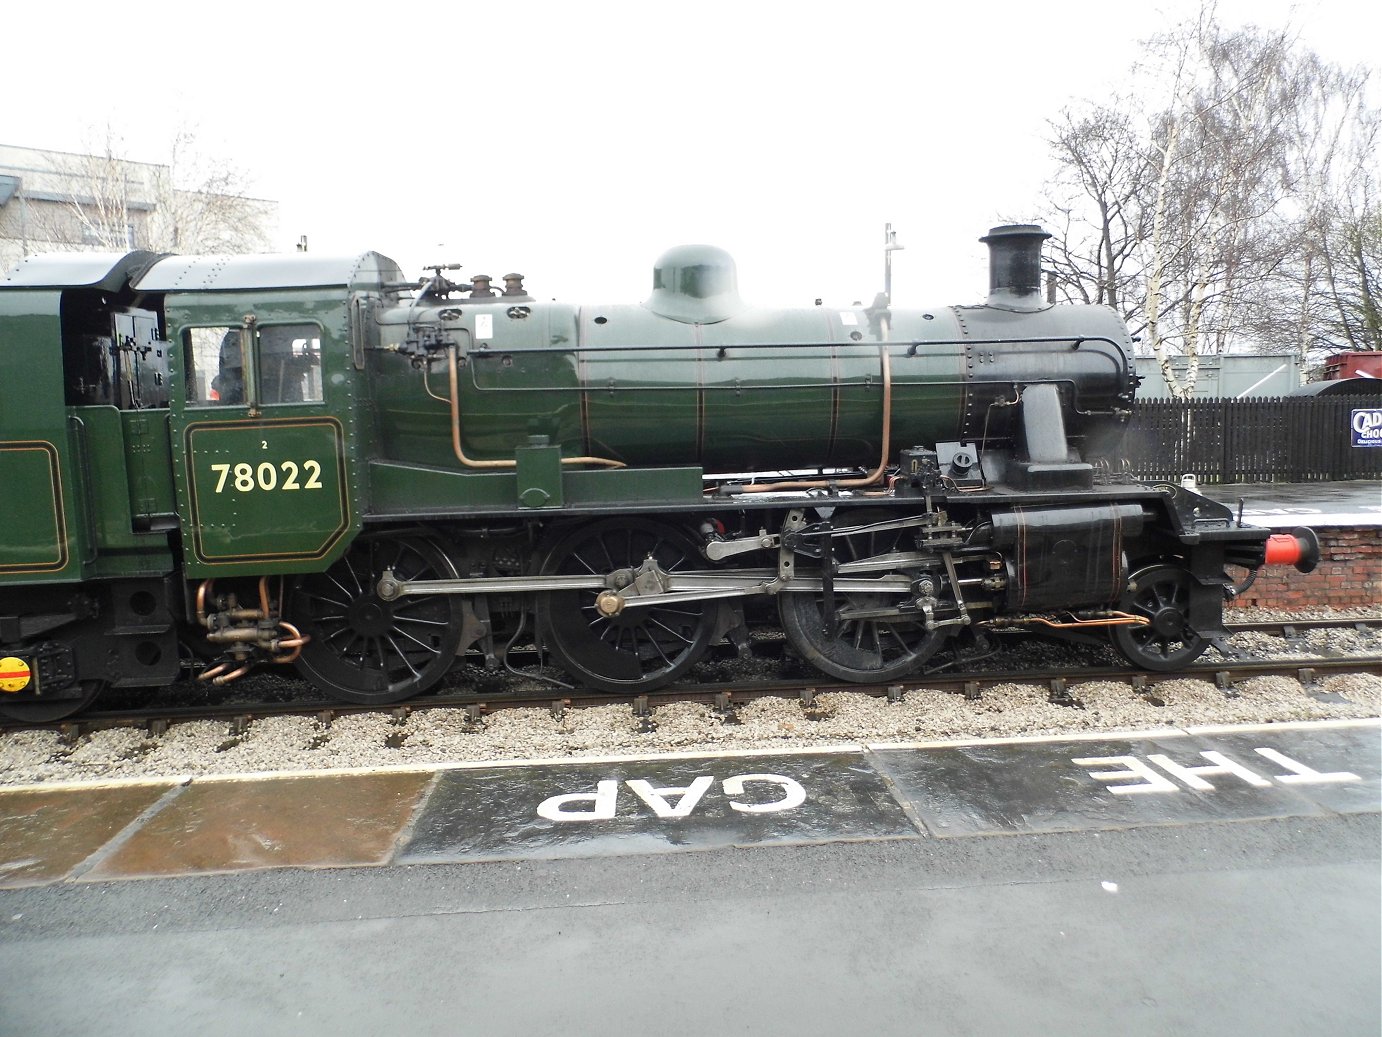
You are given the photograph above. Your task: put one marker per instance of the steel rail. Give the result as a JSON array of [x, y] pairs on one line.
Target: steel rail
[[1060, 684]]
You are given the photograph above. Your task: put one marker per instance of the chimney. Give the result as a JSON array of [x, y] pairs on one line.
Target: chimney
[[1015, 266]]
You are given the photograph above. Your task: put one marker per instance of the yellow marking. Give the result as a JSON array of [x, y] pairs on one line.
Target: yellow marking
[[14, 674]]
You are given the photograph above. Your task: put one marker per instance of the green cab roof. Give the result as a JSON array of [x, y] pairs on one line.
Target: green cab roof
[[155, 272], [286, 270], [108, 270]]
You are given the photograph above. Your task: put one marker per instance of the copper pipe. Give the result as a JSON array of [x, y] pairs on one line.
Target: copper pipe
[[264, 597], [206, 675], [427, 385], [873, 476], [234, 675], [470, 462], [295, 643], [1112, 619], [298, 634], [202, 592]]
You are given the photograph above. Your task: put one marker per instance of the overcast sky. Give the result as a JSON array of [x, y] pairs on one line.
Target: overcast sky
[[574, 142]]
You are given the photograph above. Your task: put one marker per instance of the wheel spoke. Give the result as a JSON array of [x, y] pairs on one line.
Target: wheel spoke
[[1162, 594], [639, 648], [421, 644], [364, 649], [654, 621], [402, 655], [658, 648], [417, 620], [586, 565], [339, 631], [861, 650], [334, 602], [355, 577], [346, 593]]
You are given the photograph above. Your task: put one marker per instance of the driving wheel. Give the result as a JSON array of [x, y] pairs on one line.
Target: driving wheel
[[362, 648], [862, 651], [641, 647]]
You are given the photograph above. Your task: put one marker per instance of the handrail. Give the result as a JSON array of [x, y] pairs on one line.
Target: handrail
[[471, 462], [886, 446]]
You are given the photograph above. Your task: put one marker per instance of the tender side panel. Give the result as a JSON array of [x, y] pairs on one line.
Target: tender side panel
[[149, 467], [39, 538], [129, 543], [33, 537]]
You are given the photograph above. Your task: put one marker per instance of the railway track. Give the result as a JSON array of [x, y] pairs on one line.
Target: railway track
[[1295, 628], [1060, 684]]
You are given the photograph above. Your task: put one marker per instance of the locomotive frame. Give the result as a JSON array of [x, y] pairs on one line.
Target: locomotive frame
[[218, 462]]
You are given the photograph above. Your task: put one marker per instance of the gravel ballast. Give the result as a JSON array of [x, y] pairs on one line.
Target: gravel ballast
[[442, 736]]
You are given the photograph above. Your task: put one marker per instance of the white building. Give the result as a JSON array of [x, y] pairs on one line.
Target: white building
[[1225, 375], [58, 201]]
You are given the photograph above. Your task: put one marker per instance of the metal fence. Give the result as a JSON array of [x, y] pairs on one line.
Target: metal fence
[[1257, 439]]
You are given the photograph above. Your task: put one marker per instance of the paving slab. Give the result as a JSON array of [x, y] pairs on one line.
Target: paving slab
[[1121, 782], [1337, 767], [46, 833], [316, 821], [651, 806], [560, 809]]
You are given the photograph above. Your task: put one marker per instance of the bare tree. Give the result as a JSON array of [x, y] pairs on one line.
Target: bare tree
[[193, 202], [1222, 185], [205, 204], [1347, 231], [1354, 266], [1331, 149], [1228, 202], [1096, 209]]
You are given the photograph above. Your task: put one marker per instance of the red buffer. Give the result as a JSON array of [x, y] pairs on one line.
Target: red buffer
[[1300, 547]]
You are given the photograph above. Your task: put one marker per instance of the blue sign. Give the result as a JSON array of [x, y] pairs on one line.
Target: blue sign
[[1367, 426]]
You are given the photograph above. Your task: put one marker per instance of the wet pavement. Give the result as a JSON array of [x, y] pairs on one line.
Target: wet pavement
[[313, 821], [1323, 504], [530, 811], [1206, 881], [653, 806]]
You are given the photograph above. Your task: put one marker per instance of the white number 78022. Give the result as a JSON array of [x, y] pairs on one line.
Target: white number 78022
[[245, 477]]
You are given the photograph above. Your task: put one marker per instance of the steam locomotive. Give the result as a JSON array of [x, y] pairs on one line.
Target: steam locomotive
[[213, 463]]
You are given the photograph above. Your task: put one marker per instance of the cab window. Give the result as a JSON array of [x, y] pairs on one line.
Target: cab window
[[287, 358], [215, 365], [289, 363]]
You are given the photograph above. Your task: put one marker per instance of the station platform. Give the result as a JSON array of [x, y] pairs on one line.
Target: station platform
[[1357, 503], [597, 808], [1346, 517], [1177, 881]]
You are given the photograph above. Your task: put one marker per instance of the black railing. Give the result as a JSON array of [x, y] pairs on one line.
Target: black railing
[[1257, 439]]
